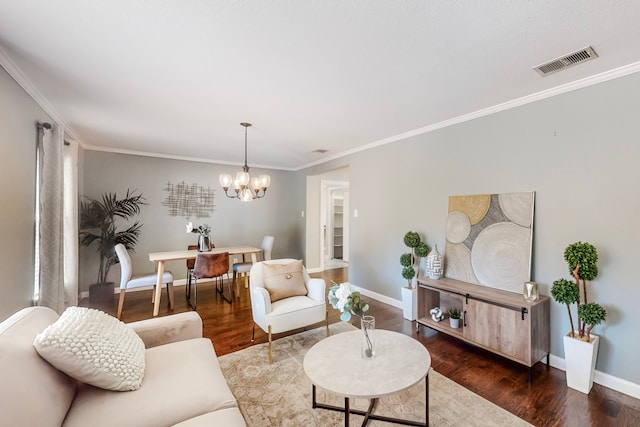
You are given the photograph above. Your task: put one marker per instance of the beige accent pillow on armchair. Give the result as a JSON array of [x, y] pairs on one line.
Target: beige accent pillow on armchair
[[284, 280]]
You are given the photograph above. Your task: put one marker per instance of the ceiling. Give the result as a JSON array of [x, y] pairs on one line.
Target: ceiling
[[175, 78]]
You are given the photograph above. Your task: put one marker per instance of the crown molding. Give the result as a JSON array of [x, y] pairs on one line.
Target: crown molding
[[173, 157], [14, 71], [548, 93], [23, 81]]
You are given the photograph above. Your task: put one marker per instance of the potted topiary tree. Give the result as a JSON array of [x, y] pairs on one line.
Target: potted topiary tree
[[410, 262], [580, 346], [98, 228], [421, 251], [408, 272]]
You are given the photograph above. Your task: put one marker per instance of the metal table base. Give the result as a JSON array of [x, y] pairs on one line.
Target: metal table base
[[368, 415]]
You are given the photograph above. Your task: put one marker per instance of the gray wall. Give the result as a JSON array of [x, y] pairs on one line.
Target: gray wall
[[578, 151], [233, 222], [19, 115]]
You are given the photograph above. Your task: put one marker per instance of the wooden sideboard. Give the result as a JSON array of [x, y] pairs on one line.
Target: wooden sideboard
[[498, 321]]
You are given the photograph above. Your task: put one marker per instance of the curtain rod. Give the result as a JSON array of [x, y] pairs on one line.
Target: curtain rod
[[48, 126]]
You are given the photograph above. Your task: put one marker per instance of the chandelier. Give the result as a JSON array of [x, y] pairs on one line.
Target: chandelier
[[246, 188]]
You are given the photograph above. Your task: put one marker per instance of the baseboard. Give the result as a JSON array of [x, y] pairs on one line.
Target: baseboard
[[606, 380], [382, 298], [609, 381], [116, 290], [618, 384]]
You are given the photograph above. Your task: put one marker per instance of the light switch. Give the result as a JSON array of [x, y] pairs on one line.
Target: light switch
[[355, 213], [302, 214]]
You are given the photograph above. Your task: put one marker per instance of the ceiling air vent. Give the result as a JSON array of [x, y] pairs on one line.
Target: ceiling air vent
[[320, 150], [566, 61]]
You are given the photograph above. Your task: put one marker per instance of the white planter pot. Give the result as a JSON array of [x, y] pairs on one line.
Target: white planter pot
[[454, 323], [580, 362], [409, 303]]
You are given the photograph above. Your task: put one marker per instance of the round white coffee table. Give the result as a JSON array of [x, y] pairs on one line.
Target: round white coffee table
[[335, 365]]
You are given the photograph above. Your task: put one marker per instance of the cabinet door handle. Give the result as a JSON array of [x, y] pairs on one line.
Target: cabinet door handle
[[464, 318]]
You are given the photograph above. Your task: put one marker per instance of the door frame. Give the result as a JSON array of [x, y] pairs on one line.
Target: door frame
[[328, 186]]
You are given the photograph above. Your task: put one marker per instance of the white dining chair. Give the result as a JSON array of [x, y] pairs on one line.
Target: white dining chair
[[243, 268], [130, 281]]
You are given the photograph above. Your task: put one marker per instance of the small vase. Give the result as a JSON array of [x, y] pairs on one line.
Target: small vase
[[530, 291], [367, 346], [434, 263], [204, 243]]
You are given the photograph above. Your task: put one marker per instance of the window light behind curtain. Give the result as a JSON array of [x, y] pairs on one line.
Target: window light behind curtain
[[56, 262]]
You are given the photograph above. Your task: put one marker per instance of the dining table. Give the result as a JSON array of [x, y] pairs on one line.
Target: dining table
[[160, 258]]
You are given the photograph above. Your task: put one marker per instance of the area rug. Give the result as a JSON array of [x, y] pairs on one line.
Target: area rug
[[280, 394]]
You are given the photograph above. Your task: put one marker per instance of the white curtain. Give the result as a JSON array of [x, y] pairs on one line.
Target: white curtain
[[57, 248], [70, 223]]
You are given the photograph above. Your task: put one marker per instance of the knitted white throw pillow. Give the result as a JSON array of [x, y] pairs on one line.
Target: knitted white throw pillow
[[95, 348]]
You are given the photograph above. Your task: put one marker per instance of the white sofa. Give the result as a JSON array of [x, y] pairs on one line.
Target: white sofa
[[183, 384]]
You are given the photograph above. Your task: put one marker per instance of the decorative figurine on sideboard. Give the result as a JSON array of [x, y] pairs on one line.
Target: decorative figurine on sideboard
[[436, 314]]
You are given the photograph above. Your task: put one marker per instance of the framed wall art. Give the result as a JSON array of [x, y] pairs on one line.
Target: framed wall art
[[189, 201], [489, 239]]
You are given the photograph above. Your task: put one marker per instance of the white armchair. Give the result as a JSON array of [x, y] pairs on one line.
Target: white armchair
[[288, 313]]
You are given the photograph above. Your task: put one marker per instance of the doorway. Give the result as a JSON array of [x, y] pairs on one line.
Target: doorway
[[334, 240], [319, 211]]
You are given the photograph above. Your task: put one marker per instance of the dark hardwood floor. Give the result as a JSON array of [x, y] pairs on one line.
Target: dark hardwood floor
[[545, 401]]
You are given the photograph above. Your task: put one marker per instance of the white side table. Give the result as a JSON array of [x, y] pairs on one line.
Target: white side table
[[335, 365]]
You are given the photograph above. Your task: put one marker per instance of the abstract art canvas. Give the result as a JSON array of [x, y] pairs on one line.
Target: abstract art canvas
[[489, 239], [189, 200]]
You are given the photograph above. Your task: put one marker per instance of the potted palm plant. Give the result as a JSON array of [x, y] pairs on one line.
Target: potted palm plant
[[580, 345], [410, 262], [99, 229]]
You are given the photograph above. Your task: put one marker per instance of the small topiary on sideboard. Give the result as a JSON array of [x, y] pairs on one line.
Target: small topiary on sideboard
[[454, 313]]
